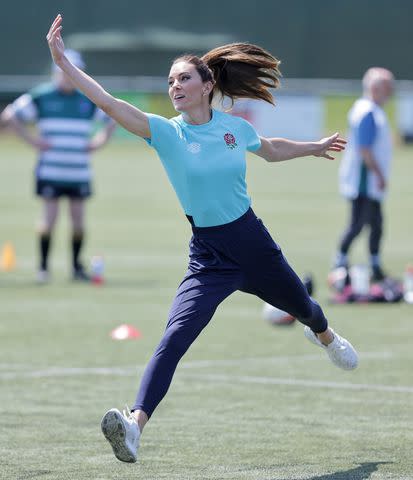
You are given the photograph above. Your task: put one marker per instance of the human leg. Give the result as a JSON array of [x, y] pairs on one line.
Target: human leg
[[376, 231], [271, 278], [49, 216], [288, 294], [196, 300], [357, 220], [275, 282], [77, 215]]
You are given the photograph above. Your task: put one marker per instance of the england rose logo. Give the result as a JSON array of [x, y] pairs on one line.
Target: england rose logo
[[230, 140]]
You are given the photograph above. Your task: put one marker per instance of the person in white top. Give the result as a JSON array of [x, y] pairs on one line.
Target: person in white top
[[365, 168]]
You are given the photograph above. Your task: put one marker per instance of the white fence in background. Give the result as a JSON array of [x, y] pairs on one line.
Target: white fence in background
[[300, 102], [298, 117]]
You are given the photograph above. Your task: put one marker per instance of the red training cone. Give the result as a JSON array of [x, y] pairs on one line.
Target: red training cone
[[125, 332]]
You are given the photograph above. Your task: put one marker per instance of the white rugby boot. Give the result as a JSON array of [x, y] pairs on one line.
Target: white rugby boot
[[122, 432], [42, 277], [340, 351]]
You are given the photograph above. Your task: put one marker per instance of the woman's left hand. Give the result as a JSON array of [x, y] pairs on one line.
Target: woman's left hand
[[330, 144]]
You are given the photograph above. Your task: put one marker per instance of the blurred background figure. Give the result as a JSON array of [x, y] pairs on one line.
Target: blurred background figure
[[365, 168], [64, 118]]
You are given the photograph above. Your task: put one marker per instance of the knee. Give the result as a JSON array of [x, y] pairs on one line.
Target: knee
[[47, 225], [78, 232], [357, 228]]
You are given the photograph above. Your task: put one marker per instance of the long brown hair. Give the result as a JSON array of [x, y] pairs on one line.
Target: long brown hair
[[238, 70]]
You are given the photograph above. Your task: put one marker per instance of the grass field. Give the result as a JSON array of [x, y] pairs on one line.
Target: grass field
[[248, 401]]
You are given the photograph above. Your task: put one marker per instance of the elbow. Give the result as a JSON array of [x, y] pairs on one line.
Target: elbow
[[269, 155], [7, 116], [272, 156]]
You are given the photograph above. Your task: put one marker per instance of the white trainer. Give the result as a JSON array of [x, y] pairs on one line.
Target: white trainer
[[42, 277], [122, 432], [340, 351]]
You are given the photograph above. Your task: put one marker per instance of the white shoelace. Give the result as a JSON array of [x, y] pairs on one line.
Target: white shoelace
[[129, 415]]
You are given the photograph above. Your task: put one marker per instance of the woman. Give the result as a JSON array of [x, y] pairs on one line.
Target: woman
[[203, 151]]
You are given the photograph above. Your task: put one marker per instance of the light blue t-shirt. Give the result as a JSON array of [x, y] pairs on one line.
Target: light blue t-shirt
[[206, 164]]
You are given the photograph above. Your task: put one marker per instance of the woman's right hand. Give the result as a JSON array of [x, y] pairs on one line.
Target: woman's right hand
[[122, 112], [55, 41]]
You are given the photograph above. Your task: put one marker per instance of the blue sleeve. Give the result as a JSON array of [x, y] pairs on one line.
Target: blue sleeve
[[251, 136], [163, 132], [366, 131]]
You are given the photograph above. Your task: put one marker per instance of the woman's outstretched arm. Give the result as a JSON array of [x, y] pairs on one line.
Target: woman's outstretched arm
[[279, 149], [122, 112]]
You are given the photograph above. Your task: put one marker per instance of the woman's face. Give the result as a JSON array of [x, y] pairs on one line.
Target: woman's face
[[186, 88]]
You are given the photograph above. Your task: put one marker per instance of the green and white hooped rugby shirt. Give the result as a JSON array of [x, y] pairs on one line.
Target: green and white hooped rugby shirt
[[66, 121]]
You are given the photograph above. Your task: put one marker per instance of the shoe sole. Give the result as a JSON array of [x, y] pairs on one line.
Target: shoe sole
[[114, 431]]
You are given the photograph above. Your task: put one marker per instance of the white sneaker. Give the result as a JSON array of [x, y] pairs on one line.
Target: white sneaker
[[42, 277], [122, 432], [340, 350]]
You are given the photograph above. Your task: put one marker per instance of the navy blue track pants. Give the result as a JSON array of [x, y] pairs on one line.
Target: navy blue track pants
[[364, 211], [240, 255]]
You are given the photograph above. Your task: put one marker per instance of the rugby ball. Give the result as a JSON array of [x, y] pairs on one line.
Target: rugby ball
[[275, 316]]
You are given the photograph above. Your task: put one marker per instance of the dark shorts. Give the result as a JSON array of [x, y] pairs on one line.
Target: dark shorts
[[46, 189]]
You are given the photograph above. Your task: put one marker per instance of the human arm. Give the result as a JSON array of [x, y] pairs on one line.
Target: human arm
[[3, 121], [366, 134], [280, 149], [122, 112], [102, 136], [10, 118], [370, 162]]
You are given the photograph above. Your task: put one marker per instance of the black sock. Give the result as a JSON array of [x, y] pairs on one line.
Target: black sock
[[44, 247], [77, 241]]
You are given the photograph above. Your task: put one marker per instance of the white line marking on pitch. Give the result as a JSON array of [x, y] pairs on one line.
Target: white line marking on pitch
[[129, 371], [24, 371], [275, 359], [296, 382], [72, 372]]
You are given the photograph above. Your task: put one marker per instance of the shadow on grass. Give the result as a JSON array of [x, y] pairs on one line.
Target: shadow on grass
[[362, 472]]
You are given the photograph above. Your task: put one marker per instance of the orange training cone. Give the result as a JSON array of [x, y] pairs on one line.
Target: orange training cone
[[125, 332], [8, 258]]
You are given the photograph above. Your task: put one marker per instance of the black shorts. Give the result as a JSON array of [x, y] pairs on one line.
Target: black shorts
[[46, 189]]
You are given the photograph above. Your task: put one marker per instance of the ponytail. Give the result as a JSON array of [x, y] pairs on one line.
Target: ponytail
[[243, 70], [238, 70]]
